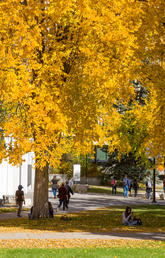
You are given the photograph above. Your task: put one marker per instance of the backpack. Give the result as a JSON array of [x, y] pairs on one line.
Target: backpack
[[19, 195], [149, 184], [124, 182], [67, 187]]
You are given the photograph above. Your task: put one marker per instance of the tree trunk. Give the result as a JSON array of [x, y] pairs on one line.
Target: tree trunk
[[40, 201]]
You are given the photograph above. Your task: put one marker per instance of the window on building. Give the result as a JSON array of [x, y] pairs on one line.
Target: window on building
[[102, 154]]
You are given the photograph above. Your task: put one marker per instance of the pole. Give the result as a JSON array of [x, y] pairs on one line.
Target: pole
[[154, 181], [86, 170]]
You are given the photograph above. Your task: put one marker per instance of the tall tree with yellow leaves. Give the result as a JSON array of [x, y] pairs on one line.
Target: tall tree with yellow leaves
[[62, 67]]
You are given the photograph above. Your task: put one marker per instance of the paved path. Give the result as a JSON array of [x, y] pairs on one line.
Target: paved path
[[84, 235], [83, 202]]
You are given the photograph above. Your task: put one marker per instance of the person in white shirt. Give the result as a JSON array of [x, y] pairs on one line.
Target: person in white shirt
[[70, 183], [148, 188]]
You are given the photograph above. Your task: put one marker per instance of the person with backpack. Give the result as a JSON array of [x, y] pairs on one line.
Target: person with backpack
[[51, 212], [125, 186], [129, 186], [50, 207], [54, 186], [148, 188], [19, 197], [69, 191], [113, 184], [135, 187], [63, 197], [70, 183], [164, 185]]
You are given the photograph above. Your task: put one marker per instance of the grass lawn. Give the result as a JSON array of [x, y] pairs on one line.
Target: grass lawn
[[11, 209], [8, 209], [108, 190], [101, 220], [84, 252]]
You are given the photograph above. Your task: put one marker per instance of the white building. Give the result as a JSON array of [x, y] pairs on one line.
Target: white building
[[12, 176]]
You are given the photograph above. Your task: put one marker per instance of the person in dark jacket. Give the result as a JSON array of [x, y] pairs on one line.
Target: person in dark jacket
[[69, 191], [51, 213], [63, 196], [19, 197], [135, 187]]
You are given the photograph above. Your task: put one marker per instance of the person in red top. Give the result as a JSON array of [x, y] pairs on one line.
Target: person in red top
[[113, 183], [164, 185], [63, 196]]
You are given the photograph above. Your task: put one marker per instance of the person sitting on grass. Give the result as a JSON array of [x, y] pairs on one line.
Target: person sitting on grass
[[129, 219], [51, 212]]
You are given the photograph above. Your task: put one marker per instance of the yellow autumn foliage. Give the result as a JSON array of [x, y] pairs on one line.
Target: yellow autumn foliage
[[63, 65]]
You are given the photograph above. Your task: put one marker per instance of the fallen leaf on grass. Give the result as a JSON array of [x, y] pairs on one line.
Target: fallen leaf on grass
[[80, 243]]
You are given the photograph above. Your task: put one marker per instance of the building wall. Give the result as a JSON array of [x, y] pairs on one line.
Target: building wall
[[12, 176]]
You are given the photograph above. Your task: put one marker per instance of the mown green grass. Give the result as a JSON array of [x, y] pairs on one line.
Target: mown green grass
[[84, 252]]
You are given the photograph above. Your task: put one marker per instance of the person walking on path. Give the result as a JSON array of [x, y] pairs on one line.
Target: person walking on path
[[164, 185], [19, 197], [129, 186], [148, 188], [70, 182], [69, 191], [135, 187], [54, 186], [113, 184], [125, 186], [63, 196]]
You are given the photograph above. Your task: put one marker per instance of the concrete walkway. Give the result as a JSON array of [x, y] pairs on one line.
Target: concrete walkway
[[84, 235]]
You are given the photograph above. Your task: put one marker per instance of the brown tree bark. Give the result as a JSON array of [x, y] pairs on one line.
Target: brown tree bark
[[40, 198]]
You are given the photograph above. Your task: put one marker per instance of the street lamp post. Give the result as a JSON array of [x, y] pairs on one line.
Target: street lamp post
[[86, 169]]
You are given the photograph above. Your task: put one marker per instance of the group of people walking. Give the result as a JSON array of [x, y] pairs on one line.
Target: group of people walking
[[64, 192], [127, 185]]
